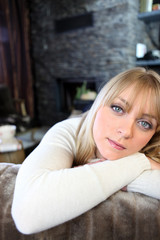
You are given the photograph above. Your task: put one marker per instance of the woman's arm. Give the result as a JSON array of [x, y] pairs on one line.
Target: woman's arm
[[46, 197], [147, 183], [49, 191]]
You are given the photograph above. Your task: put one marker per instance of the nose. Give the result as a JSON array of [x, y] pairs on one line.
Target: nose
[[125, 128]]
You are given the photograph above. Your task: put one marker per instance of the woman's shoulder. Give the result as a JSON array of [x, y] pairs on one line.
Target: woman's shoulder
[[63, 134]]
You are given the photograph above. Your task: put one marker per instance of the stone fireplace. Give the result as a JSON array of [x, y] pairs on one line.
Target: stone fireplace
[[67, 90], [73, 41]]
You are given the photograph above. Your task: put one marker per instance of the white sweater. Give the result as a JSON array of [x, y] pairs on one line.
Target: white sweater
[[49, 192]]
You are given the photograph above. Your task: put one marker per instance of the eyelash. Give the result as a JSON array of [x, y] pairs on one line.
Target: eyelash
[[146, 128], [120, 110], [114, 107]]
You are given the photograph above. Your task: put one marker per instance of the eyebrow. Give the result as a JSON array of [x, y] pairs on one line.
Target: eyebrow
[[124, 101], [149, 115], [144, 115]]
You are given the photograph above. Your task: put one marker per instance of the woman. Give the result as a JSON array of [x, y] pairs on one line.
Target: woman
[[115, 144]]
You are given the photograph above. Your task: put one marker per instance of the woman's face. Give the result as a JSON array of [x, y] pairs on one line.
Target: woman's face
[[118, 132]]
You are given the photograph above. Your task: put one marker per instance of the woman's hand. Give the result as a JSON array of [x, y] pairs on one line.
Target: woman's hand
[[154, 165]]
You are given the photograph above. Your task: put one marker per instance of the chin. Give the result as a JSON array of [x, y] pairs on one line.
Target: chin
[[113, 157], [109, 157]]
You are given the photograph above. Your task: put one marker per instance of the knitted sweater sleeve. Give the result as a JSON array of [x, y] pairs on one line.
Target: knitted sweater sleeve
[[147, 183], [49, 191]]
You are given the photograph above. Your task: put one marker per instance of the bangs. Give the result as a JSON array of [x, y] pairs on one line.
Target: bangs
[[149, 101], [143, 85]]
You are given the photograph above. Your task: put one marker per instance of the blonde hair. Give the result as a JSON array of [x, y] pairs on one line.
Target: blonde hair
[[143, 80]]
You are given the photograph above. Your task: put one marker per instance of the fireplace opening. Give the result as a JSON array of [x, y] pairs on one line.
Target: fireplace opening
[[67, 91]]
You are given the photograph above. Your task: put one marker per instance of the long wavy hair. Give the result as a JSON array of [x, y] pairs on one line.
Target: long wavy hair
[[143, 82]]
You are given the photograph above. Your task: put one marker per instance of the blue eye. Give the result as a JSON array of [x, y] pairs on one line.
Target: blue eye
[[117, 108], [145, 125]]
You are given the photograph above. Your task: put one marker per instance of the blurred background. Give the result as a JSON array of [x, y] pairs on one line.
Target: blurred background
[[52, 52]]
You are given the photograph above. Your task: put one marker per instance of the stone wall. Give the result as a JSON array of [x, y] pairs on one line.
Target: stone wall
[[100, 51]]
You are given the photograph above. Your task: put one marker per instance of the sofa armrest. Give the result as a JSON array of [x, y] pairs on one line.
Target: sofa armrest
[[123, 216]]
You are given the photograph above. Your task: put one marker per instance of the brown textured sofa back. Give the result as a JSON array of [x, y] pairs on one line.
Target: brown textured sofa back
[[124, 216]]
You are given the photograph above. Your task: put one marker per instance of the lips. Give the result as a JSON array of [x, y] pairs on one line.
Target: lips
[[116, 145]]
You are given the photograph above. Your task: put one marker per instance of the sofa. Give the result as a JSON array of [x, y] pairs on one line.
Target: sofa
[[123, 216]]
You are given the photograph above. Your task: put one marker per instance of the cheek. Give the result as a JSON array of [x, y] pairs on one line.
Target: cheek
[[144, 140], [98, 127], [104, 124], [100, 134]]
